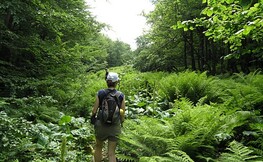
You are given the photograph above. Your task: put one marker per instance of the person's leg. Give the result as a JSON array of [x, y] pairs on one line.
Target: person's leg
[[111, 150], [98, 150]]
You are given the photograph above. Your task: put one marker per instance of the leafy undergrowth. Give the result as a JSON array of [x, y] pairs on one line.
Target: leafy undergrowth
[[185, 116], [190, 133]]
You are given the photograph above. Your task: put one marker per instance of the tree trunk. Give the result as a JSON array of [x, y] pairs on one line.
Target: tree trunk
[[202, 51], [191, 43], [185, 52], [213, 58]]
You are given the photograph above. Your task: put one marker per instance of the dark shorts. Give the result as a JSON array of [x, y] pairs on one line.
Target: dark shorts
[[104, 131]]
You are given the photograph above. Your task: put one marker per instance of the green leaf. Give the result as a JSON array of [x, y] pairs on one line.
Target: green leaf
[[186, 29], [210, 12], [180, 24], [247, 29], [229, 1], [141, 104], [64, 120]]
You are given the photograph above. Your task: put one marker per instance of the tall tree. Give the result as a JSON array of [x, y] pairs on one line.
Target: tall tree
[[43, 39], [119, 53], [168, 48], [238, 25]]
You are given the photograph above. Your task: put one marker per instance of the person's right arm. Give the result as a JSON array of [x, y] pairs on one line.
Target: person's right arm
[[94, 111], [95, 107]]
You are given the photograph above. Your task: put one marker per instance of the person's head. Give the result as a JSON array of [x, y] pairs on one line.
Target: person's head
[[112, 79]]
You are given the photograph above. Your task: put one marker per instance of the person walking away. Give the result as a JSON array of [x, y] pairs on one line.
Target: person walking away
[[108, 128]]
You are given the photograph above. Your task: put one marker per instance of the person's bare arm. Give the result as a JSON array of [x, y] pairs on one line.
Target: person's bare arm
[[96, 105], [123, 108], [123, 104]]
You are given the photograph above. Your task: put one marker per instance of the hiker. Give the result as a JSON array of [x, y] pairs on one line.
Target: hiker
[[103, 130]]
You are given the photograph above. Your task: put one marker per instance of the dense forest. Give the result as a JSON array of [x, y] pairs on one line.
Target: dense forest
[[193, 86]]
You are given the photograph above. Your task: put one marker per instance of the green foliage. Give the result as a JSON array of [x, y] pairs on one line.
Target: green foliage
[[245, 92], [219, 36], [232, 22], [46, 48], [27, 141], [196, 131], [162, 48], [119, 53], [141, 91], [192, 85], [187, 116], [51, 56], [238, 153], [32, 108], [257, 133]]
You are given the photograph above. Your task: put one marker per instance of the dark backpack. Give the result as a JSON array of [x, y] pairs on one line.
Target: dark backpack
[[110, 107]]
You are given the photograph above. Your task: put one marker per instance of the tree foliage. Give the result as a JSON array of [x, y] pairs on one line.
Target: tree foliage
[[43, 40], [119, 53], [214, 36], [47, 48]]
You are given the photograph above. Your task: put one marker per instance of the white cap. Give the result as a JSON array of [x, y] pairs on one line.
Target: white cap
[[113, 77]]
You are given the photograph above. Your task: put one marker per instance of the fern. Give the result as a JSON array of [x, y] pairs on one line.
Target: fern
[[178, 155], [126, 158], [138, 147], [147, 138], [188, 129], [245, 92], [258, 152], [191, 85], [155, 159], [257, 132], [175, 155], [238, 153]]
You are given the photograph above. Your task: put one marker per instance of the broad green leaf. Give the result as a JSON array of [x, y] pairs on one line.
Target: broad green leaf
[[210, 12], [141, 104], [229, 1], [180, 24], [64, 120]]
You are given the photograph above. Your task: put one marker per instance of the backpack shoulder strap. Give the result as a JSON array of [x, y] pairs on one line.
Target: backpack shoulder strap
[[117, 97], [118, 93], [106, 91]]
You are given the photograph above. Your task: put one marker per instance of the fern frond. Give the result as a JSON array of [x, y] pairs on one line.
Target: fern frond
[[178, 155], [241, 151], [258, 152], [238, 153], [126, 158], [155, 159], [136, 144]]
